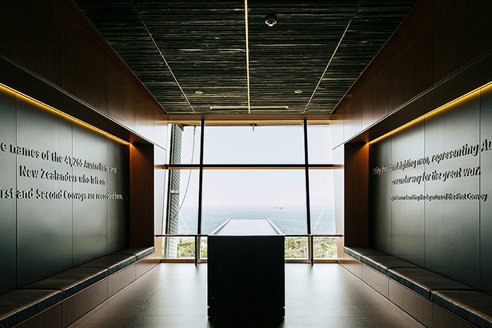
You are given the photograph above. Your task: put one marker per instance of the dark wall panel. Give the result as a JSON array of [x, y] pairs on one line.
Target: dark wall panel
[[44, 226], [437, 220], [452, 226], [118, 211], [8, 181], [64, 193], [380, 189], [89, 215], [407, 225], [486, 188]]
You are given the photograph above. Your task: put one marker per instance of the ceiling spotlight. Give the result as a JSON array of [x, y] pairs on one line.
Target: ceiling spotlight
[[298, 91], [271, 20], [198, 92]]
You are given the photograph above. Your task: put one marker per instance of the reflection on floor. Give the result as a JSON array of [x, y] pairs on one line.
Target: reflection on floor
[[175, 295]]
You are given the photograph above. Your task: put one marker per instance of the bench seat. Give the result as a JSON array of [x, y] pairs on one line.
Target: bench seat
[[18, 305], [433, 290], [423, 281], [22, 304], [71, 281], [384, 262], [139, 252], [111, 262], [358, 252], [473, 306]]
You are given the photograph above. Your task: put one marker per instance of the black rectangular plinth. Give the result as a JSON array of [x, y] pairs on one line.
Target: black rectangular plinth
[[246, 271]]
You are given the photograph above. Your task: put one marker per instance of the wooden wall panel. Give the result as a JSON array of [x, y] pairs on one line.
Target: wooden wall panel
[[463, 34], [55, 41], [141, 195], [32, 24], [356, 195], [409, 54], [351, 118], [85, 73], [375, 93], [122, 105]]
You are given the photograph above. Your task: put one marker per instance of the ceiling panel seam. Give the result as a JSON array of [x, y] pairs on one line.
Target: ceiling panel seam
[[162, 56], [331, 58], [247, 53]]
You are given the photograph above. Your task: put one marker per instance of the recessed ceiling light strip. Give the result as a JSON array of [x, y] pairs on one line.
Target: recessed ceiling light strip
[[331, 58], [162, 56], [247, 52]]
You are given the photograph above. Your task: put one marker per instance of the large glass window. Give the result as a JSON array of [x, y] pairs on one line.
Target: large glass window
[[254, 144], [322, 201], [251, 171], [320, 148], [278, 195]]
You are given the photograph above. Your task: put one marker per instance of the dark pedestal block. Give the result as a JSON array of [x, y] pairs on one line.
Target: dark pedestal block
[[246, 271]]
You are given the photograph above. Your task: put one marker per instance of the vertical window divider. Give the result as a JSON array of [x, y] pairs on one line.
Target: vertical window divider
[[308, 201], [200, 189]]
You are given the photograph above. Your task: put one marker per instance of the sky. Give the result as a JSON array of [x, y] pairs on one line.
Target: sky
[[257, 188]]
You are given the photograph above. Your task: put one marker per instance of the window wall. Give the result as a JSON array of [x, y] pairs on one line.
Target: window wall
[[251, 171]]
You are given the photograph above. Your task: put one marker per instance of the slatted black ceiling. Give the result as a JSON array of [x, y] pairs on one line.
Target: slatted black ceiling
[[177, 48]]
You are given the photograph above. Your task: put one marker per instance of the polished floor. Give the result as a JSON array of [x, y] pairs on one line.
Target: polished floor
[[175, 295]]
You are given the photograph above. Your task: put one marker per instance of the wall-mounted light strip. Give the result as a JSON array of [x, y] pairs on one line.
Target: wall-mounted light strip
[[435, 111], [36, 102]]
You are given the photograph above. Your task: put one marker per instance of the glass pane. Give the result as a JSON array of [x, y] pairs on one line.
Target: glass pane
[[203, 247], [319, 144], [183, 198], [278, 195], [296, 248], [254, 145], [179, 247], [324, 248], [322, 201], [185, 144], [186, 247]]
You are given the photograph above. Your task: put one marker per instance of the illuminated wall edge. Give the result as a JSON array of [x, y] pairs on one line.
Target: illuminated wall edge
[[59, 112], [436, 111]]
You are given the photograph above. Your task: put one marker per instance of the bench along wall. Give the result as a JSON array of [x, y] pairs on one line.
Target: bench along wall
[[63, 193], [430, 192]]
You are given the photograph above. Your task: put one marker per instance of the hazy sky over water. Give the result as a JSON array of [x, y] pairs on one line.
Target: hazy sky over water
[[257, 188]]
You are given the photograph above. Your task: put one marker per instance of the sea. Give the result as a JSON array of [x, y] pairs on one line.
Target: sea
[[289, 220]]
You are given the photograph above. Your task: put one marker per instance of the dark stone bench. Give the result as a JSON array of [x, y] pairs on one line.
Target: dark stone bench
[[71, 281], [473, 306], [423, 281], [383, 263], [112, 263], [19, 305]]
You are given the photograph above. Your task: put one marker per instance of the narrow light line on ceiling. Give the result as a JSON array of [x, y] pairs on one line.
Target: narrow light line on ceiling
[[162, 56], [331, 58], [247, 52]]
